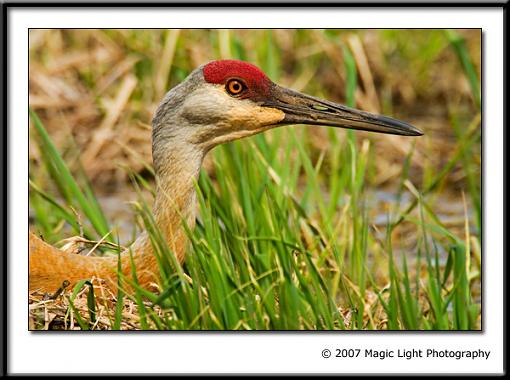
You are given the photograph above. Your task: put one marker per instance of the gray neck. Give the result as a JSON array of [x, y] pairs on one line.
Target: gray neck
[[177, 166], [177, 163]]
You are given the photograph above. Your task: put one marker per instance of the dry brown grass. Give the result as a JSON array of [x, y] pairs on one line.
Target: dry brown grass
[[86, 83]]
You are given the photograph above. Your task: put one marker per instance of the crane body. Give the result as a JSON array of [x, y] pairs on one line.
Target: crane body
[[218, 102]]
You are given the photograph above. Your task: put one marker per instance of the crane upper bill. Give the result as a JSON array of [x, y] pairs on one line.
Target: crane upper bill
[[305, 109], [375, 123]]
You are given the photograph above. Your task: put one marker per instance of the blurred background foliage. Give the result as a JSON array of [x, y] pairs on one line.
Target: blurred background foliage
[[95, 92], [102, 86]]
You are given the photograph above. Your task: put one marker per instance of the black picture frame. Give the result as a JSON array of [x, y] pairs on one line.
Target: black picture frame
[[9, 5]]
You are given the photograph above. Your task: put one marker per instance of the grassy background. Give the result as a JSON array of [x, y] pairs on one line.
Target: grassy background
[[300, 228]]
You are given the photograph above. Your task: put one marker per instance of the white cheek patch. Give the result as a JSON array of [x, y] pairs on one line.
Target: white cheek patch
[[212, 104], [207, 105], [215, 117]]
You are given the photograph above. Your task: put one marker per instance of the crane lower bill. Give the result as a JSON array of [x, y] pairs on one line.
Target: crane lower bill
[[395, 127], [376, 123]]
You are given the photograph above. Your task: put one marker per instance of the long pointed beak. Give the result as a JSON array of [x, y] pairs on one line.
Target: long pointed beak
[[305, 109]]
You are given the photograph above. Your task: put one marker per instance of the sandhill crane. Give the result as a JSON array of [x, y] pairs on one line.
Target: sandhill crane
[[218, 102]]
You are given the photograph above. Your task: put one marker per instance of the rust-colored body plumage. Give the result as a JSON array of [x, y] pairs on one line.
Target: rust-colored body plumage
[[50, 267]]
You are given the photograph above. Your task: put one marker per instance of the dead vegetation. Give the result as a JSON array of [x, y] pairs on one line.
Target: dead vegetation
[[97, 86]]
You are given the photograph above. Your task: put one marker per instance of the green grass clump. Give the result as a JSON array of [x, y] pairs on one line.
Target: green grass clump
[[265, 257]]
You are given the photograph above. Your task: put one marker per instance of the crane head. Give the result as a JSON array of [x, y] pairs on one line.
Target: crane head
[[226, 100]]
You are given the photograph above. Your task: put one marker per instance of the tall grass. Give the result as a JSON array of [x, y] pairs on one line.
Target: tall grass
[[285, 240]]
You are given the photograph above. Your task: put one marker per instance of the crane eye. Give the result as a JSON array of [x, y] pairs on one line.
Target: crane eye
[[235, 87]]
